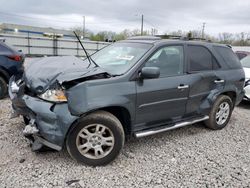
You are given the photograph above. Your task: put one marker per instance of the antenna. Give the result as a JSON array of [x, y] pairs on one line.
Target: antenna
[[85, 51]]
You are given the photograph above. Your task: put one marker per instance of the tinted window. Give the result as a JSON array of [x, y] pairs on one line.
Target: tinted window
[[169, 60], [200, 59], [228, 56]]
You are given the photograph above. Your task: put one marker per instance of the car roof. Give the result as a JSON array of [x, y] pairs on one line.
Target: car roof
[[159, 41]]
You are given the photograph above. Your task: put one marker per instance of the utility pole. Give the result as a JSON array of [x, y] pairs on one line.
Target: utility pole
[[142, 24], [203, 30], [83, 27]]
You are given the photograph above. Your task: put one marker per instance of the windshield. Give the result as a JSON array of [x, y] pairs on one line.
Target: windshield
[[118, 58], [246, 62]]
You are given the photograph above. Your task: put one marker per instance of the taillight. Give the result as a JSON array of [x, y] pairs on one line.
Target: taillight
[[15, 57]]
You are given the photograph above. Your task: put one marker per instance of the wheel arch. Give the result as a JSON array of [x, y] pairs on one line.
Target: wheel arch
[[4, 74], [231, 94], [120, 112]]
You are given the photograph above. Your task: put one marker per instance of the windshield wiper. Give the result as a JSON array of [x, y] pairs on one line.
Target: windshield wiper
[[85, 51]]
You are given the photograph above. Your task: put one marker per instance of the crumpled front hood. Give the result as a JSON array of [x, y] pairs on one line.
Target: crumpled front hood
[[43, 73]]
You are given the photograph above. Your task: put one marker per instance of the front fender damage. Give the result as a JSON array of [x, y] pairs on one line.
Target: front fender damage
[[50, 123], [89, 96]]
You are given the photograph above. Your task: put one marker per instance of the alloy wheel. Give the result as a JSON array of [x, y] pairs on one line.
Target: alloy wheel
[[95, 141]]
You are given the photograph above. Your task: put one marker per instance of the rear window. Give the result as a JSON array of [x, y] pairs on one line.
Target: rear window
[[228, 56], [200, 59]]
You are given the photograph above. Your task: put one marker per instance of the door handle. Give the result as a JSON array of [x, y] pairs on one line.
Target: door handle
[[183, 86], [219, 81]]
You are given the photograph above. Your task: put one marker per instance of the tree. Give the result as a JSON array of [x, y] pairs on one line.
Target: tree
[[226, 38], [176, 33], [242, 39], [79, 32]]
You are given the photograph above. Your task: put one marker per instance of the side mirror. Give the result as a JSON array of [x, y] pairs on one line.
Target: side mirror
[[150, 72]]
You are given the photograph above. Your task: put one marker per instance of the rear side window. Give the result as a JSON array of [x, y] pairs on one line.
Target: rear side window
[[228, 56], [200, 59]]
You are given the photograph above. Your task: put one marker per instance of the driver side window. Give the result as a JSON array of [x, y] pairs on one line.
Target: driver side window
[[169, 60]]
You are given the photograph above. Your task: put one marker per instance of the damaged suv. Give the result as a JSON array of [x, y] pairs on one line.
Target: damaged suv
[[137, 87]]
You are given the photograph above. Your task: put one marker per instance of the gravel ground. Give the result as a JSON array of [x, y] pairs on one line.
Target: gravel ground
[[192, 156]]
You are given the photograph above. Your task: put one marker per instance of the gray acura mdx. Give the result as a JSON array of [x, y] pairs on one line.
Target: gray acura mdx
[[137, 87]]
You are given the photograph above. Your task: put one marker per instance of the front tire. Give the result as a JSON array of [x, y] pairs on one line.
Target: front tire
[[220, 113], [3, 88], [96, 139]]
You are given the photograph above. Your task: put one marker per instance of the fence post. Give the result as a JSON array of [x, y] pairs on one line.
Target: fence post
[[77, 48], [28, 43], [55, 52], [97, 46]]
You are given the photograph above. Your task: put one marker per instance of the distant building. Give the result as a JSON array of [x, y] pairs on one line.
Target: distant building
[[34, 31]]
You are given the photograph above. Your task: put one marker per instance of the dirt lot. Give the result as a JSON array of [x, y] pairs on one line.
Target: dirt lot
[[188, 157]]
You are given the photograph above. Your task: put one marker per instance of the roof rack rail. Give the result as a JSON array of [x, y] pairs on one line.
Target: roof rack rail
[[182, 37], [169, 36], [144, 38]]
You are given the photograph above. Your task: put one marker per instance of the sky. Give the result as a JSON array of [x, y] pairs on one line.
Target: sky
[[117, 15]]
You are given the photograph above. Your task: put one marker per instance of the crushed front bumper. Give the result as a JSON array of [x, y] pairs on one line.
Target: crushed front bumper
[[49, 122]]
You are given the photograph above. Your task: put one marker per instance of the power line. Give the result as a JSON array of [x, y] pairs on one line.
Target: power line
[[151, 24], [24, 17], [57, 20], [35, 18]]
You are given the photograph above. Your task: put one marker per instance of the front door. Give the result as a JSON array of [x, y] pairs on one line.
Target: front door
[[163, 99]]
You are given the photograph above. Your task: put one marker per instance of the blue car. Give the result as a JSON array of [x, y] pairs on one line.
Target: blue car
[[11, 63]]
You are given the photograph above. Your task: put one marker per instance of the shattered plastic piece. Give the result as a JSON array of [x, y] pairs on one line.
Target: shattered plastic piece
[[13, 114], [36, 146], [30, 130]]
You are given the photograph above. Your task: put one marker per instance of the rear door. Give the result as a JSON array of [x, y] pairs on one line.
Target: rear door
[[205, 77]]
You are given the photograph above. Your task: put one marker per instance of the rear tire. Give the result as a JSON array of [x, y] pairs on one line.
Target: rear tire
[[3, 88], [96, 139], [220, 113]]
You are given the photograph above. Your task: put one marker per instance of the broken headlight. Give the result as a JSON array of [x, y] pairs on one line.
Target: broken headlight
[[54, 95]]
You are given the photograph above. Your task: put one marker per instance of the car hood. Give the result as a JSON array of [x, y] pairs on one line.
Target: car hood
[[41, 74], [247, 72]]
